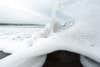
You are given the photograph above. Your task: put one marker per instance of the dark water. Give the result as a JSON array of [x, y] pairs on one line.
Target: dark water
[[22, 25]]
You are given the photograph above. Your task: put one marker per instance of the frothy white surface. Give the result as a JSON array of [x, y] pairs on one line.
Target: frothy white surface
[[82, 38], [16, 39]]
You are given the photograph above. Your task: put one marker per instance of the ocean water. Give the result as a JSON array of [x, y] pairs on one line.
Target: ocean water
[[12, 36], [18, 32]]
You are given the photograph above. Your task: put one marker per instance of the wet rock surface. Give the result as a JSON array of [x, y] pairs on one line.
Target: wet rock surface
[[63, 59], [3, 54]]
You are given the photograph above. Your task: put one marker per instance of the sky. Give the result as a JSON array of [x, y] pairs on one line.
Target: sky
[[29, 11]]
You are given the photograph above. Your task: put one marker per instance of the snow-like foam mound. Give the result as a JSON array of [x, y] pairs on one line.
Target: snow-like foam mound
[[83, 37]]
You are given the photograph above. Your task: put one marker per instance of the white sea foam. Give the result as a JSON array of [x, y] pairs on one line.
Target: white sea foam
[[83, 37]]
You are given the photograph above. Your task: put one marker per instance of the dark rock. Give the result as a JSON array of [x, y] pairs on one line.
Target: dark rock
[[63, 59]]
